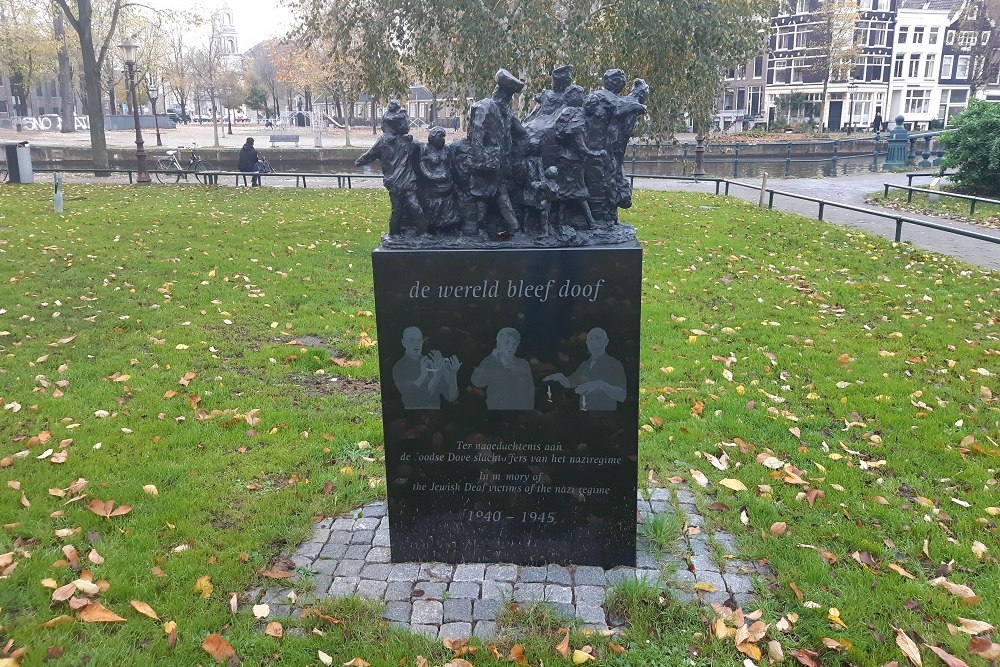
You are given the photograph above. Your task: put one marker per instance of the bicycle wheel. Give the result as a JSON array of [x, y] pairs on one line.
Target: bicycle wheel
[[171, 175], [202, 166]]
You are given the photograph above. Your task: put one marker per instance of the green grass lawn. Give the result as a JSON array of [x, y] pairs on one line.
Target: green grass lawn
[[987, 215], [154, 337]]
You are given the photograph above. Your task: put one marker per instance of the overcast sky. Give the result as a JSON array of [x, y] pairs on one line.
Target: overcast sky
[[256, 20]]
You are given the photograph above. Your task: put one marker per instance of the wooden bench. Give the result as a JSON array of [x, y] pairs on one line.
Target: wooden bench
[[284, 139]]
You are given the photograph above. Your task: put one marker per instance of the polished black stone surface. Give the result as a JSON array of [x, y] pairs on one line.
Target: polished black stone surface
[[501, 454]]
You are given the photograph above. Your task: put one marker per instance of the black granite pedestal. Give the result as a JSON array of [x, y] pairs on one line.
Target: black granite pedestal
[[510, 382]]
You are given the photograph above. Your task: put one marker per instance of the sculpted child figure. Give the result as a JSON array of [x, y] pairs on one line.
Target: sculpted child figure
[[438, 196]]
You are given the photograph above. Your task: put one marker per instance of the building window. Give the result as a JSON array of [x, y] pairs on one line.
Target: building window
[[903, 33], [877, 33], [897, 68], [758, 67], [966, 39], [802, 7], [917, 101], [949, 38], [962, 68], [798, 65], [947, 63], [929, 66], [914, 70], [872, 68], [984, 38], [953, 102], [918, 35], [932, 37], [973, 13], [753, 108]]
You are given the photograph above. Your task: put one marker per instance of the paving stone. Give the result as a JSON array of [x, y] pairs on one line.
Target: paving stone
[[683, 496], [496, 590], [746, 600], [349, 568], [589, 575], [463, 590], [530, 575], [343, 586], [339, 537], [590, 613], [485, 629], [398, 610], [404, 572], [399, 590], [620, 574], [429, 590], [302, 562], [274, 595], [699, 546], [486, 610], [335, 551], [469, 572], [661, 507], [325, 524], [704, 564], [280, 610], [378, 555], [565, 609], [458, 611], [648, 575], [343, 524], [377, 510], [557, 593], [368, 523], [718, 597], [429, 631], [501, 572], [357, 551], [383, 523], [379, 571], [324, 566], [664, 494], [529, 592], [685, 596], [381, 538], [321, 584], [558, 574], [695, 519], [727, 542], [310, 549], [589, 595], [684, 577], [713, 578], [426, 612], [455, 631], [738, 583], [362, 536], [372, 589], [436, 572], [644, 560]]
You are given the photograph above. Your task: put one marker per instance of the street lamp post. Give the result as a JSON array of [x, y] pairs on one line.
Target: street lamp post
[[154, 93], [129, 51], [852, 85]]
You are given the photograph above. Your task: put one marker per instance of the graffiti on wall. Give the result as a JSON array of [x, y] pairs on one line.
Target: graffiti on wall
[[49, 123]]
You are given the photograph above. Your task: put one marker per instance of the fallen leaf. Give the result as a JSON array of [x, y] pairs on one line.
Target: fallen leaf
[[261, 611], [144, 609], [356, 662], [734, 484], [274, 629], [959, 590], [699, 477], [900, 571], [704, 586], [218, 647], [908, 647], [95, 613], [151, 489], [774, 651], [517, 654], [562, 648], [778, 528], [64, 593], [974, 627], [204, 586], [95, 558], [947, 658], [617, 648], [984, 647], [53, 622], [834, 617], [580, 657], [805, 657]]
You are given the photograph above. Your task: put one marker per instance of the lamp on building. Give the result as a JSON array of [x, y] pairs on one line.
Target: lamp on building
[[129, 51], [852, 85], [154, 93]]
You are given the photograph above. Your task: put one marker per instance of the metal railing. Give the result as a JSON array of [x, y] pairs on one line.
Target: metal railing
[[972, 199]]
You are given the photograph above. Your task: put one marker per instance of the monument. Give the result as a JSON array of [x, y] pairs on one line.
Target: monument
[[507, 298]]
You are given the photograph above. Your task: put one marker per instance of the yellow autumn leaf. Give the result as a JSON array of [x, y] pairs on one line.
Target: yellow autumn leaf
[[580, 657], [734, 484], [834, 617], [204, 586], [704, 586], [144, 609]]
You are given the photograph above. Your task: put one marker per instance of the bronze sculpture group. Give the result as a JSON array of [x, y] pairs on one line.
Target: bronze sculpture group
[[555, 179]]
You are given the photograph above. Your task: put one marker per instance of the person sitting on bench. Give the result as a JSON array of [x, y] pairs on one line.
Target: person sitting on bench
[[248, 162]]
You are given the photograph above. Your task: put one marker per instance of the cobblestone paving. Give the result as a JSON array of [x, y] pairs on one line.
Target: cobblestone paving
[[349, 555]]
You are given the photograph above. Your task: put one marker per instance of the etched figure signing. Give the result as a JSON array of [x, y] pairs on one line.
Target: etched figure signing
[[600, 380], [506, 378], [423, 379]]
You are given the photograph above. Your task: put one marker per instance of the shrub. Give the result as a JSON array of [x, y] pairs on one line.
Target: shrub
[[974, 148]]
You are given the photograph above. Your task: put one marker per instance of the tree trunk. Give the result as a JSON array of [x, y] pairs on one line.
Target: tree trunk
[[65, 76], [215, 121], [92, 94], [229, 113], [348, 117]]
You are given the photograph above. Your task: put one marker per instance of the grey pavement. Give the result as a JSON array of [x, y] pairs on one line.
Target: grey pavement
[[852, 189], [444, 600]]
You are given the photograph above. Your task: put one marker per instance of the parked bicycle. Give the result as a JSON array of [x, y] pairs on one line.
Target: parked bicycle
[[170, 170]]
